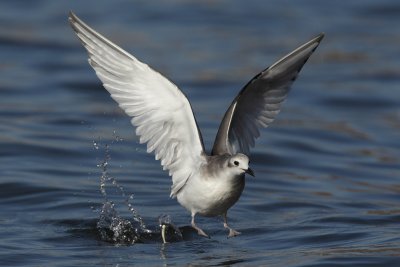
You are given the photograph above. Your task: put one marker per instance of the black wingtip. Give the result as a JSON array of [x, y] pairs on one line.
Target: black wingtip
[[320, 37], [317, 40]]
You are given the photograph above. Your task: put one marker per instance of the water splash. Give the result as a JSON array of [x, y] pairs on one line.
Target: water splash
[[111, 226], [115, 229], [96, 145], [127, 200], [117, 138]]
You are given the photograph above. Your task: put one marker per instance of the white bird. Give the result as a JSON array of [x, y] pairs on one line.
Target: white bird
[[204, 184]]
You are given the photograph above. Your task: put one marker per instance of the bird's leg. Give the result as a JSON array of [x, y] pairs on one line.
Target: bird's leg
[[199, 231], [232, 232]]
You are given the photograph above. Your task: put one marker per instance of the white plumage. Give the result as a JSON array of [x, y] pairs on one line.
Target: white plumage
[[203, 184], [170, 131]]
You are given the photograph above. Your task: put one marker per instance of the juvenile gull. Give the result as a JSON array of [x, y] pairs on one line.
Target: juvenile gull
[[204, 184]]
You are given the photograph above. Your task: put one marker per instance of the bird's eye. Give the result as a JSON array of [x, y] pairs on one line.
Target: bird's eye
[[236, 163]]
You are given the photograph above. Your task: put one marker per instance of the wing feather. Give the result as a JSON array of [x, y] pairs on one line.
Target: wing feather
[[260, 101], [161, 113]]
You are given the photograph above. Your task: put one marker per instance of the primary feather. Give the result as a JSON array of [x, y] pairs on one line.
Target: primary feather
[[161, 113], [259, 102]]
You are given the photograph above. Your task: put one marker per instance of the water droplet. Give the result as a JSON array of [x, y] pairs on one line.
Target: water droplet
[[111, 226]]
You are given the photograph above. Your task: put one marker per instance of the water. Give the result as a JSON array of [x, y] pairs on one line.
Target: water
[[76, 188]]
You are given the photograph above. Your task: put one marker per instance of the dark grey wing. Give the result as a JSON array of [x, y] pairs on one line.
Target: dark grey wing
[[260, 101]]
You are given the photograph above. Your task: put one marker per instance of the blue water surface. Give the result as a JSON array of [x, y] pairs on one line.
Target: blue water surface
[[75, 183]]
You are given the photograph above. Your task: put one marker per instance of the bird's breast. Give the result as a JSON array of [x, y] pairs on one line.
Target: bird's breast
[[211, 196]]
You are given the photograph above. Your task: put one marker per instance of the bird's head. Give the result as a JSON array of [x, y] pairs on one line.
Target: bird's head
[[240, 164]]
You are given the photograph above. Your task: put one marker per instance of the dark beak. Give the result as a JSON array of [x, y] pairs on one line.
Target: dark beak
[[250, 171]]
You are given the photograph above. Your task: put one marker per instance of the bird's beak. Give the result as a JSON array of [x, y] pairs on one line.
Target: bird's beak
[[250, 171]]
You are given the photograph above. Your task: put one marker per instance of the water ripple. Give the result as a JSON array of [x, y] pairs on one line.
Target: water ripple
[[326, 190]]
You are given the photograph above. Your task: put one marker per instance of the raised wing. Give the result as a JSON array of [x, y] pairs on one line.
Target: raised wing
[[161, 113], [260, 101]]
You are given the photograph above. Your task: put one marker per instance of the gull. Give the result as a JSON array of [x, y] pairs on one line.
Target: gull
[[207, 185]]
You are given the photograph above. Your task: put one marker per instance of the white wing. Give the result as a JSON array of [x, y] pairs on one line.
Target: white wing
[[260, 101], [161, 113]]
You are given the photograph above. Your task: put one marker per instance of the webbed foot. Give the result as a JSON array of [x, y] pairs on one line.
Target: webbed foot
[[233, 233], [198, 229]]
